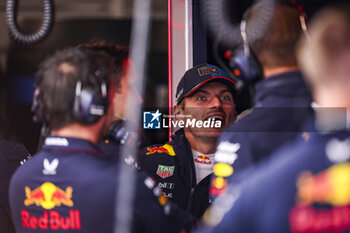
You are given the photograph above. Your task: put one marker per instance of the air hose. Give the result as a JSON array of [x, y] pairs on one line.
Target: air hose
[[37, 37], [214, 14]]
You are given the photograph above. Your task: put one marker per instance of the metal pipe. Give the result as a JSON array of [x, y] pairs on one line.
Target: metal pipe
[[139, 53]]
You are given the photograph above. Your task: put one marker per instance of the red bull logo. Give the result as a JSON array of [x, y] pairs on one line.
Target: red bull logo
[[167, 148], [327, 188], [202, 159], [48, 196], [330, 186], [51, 220]]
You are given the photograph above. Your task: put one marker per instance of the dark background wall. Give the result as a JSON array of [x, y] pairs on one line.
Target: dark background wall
[[80, 21]]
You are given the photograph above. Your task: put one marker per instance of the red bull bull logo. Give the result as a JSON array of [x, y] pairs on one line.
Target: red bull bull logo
[[202, 159], [48, 196], [330, 186], [167, 148], [330, 190]]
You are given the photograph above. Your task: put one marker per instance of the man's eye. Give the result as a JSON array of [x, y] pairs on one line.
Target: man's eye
[[201, 98], [226, 97]]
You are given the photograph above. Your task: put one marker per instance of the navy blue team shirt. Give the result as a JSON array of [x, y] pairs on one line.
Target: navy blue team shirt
[[303, 188], [70, 187], [282, 105]]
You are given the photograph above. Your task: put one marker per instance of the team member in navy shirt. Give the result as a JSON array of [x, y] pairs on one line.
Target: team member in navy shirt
[[282, 99], [305, 186], [69, 186]]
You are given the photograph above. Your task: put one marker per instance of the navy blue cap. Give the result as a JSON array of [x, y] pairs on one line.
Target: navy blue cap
[[197, 76]]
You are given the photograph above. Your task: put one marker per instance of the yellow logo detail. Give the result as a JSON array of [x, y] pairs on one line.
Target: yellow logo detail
[[48, 196], [167, 148], [223, 169], [162, 199], [330, 186]]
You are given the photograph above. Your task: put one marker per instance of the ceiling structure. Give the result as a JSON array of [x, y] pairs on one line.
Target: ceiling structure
[[72, 9]]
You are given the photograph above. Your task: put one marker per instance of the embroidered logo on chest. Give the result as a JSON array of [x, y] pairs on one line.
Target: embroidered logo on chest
[[165, 171], [202, 159]]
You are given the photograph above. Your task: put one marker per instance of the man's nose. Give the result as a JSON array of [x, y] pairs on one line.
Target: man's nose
[[216, 102]]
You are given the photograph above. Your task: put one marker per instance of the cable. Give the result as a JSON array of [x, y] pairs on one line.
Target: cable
[[37, 37], [215, 16]]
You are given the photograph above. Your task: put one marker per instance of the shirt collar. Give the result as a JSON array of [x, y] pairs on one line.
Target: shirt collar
[[65, 142], [288, 82]]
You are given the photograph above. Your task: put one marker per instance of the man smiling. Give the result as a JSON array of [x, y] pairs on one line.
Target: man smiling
[[183, 166]]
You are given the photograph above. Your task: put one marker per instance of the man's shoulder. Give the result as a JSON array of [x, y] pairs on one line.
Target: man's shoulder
[[29, 166], [287, 166], [157, 157], [269, 119], [248, 120], [313, 152], [238, 129]]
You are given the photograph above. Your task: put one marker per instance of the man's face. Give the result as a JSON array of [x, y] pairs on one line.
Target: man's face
[[212, 100], [126, 89]]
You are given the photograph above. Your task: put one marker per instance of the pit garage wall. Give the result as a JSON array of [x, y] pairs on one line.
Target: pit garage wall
[[188, 39]]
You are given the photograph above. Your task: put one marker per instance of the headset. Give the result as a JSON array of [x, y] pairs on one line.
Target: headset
[[244, 62], [90, 99], [121, 135]]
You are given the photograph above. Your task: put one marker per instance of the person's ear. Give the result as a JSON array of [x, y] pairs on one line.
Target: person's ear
[[178, 111]]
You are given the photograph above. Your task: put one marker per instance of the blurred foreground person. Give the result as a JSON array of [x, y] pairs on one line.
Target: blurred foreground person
[[69, 185], [117, 133], [12, 155], [122, 67], [305, 186], [282, 98]]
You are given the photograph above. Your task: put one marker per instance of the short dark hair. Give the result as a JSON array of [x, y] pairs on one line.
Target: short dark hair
[[119, 53], [277, 46], [57, 78]]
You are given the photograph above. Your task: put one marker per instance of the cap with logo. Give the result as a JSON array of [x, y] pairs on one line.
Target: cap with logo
[[197, 76]]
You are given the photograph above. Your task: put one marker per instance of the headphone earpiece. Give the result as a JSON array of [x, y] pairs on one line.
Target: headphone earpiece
[[36, 108], [245, 66], [120, 134], [90, 103], [244, 63]]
